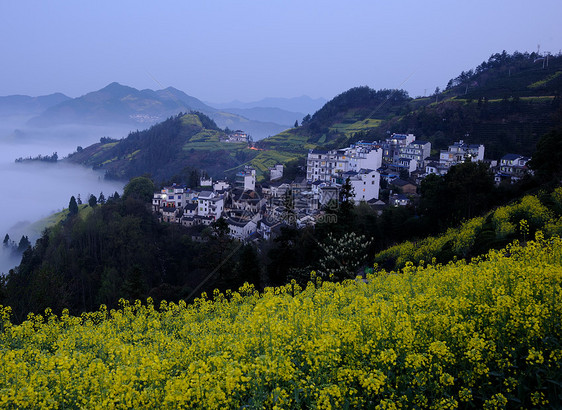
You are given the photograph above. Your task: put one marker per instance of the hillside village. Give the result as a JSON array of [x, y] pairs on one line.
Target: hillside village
[[255, 211]]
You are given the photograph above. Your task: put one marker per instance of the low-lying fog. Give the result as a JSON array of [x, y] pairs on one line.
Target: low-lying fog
[[34, 190]]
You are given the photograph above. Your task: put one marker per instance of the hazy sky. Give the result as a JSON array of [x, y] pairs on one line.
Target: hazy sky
[[219, 50]]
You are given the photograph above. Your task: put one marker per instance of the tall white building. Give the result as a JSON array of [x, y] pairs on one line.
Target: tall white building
[[392, 145], [365, 183], [417, 151], [329, 165], [210, 204], [247, 178]]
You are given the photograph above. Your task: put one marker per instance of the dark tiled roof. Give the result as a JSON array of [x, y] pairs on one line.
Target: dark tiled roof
[[511, 157]]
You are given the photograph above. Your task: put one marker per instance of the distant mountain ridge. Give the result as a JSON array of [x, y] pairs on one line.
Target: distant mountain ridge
[[302, 104], [268, 114], [124, 105], [24, 104], [121, 104]]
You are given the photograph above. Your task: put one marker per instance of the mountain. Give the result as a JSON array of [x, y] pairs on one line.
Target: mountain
[[303, 104], [507, 103], [175, 147], [352, 111], [119, 104], [268, 114], [26, 105]]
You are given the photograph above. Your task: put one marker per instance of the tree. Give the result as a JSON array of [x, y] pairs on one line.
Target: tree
[[79, 200], [346, 204], [343, 256], [547, 159], [92, 201], [220, 228], [306, 119], [139, 187], [464, 192], [23, 244], [101, 198], [6, 240], [296, 124], [72, 206]]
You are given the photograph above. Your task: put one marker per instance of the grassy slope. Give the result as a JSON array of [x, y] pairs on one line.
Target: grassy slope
[[37, 228]]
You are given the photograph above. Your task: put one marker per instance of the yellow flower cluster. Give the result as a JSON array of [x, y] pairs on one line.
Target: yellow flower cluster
[[484, 334], [523, 217]]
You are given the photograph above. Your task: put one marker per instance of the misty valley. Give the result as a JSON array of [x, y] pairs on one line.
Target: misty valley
[[35, 190]]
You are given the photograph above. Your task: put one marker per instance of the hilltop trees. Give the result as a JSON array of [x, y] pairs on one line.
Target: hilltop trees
[[547, 159], [141, 188], [92, 201], [72, 206], [465, 191]]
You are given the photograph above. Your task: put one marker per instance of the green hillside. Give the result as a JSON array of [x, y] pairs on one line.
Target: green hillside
[[506, 103], [186, 141], [356, 111]]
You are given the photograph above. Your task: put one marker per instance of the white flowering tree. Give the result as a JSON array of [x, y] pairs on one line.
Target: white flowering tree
[[343, 256]]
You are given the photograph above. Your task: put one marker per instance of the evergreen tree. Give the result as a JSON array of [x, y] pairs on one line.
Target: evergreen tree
[[296, 124], [93, 201], [6, 240], [72, 206], [101, 198], [346, 205], [23, 244]]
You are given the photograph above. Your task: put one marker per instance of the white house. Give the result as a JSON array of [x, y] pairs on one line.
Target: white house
[[417, 151], [174, 196], [512, 167], [460, 152], [276, 172], [221, 186], [329, 165], [210, 204], [247, 178], [392, 145], [241, 228], [399, 200], [366, 184], [206, 182]]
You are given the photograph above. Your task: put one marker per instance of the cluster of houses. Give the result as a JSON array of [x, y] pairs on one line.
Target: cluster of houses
[[402, 162], [237, 136], [254, 211]]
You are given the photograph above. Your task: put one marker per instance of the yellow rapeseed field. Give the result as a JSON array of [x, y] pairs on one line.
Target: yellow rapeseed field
[[480, 334]]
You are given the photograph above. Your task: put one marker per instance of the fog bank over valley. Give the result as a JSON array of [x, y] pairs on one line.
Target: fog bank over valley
[[34, 190]]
